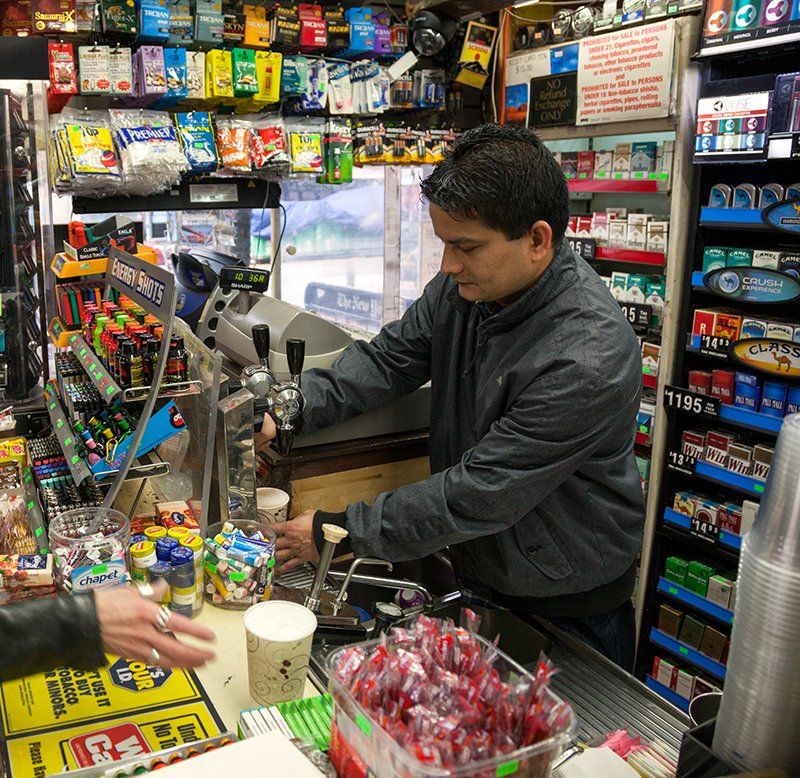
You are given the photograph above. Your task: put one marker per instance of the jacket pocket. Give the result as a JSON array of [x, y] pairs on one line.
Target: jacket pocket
[[539, 546]]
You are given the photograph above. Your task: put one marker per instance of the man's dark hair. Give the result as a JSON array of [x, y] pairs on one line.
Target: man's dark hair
[[503, 175]]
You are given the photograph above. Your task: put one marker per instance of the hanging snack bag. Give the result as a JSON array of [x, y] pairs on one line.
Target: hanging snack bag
[[197, 139], [120, 71], [233, 142], [219, 73], [245, 81]]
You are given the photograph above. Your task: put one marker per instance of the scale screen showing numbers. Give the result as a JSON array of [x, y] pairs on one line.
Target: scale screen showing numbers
[[244, 279]]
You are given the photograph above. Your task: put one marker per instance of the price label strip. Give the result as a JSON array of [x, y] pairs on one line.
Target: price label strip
[[704, 530], [682, 463], [637, 314], [691, 402], [712, 346], [583, 247]]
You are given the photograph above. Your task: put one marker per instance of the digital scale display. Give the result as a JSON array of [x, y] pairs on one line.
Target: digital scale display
[[244, 279]]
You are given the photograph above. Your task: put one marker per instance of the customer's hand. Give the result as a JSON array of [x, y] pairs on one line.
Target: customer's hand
[[266, 434], [129, 627], [295, 542]]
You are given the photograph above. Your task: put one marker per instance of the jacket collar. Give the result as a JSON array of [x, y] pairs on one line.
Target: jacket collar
[[559, 275]]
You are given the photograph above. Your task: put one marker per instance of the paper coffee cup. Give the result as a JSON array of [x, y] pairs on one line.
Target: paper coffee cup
[[273, 505], [279, 636]]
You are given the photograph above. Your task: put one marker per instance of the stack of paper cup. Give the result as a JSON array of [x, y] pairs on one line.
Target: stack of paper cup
[[757, 726]]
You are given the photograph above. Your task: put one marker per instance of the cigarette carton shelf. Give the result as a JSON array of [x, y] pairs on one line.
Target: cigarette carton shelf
[[733, 218], [633, 256], [667, 693], [109, 389], [634, 186], [688, 654], [720, 475], [694, 600], [684, 522], [146, 466], [741, 417]]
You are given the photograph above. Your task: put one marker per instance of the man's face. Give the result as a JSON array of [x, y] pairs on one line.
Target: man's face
[[485, 264]]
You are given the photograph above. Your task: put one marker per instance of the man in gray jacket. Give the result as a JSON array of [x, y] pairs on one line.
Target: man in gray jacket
[[535, 379]]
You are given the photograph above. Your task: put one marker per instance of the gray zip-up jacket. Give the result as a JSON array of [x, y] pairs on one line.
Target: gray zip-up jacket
[[534, 483]]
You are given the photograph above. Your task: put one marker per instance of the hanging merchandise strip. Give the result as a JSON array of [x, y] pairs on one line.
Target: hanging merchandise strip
[[153, 289]]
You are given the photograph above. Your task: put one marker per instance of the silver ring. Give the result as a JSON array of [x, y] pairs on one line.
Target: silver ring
[[162, 618], [155, 658]]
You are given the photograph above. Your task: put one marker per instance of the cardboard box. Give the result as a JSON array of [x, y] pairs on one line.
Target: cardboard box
[[600, 227], [749, 513], [722, 385], [706, 510], [658, 236], [739, 258], [753, 328], [717, 445], [584, 227], [569, 164], [586, 164], [619, 285], [789, 262], [728, 326], [637, 231], [676, 569], [618, 234], [713, 643], [665, 672], [622, 160], [701, 686], [697, 575], [730, 517], [704, 322], [692, 631], [714, 258], [693, 443], [669, 620], [683, 502], [684, 684], [779, 330], [762, 461], [719, 591], [699, 381], [740, 458], [603, 164], [643, 157], [764, 258]]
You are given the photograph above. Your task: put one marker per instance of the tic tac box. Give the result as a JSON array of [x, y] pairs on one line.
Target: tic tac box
[[692, 631], [693, 443], [669, 620], [719, 590], [676, 568]]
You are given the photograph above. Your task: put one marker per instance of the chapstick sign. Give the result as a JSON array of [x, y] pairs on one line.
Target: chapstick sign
[[626, 75]]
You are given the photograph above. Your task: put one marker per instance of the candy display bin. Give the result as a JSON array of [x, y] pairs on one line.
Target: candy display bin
[[359, 746], [235, 580]]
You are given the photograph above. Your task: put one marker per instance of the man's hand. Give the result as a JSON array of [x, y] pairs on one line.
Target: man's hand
[[129, 627], [295, 542], [266, 434]]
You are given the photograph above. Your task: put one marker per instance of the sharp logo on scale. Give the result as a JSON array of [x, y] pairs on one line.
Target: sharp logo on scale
[[139, 280]]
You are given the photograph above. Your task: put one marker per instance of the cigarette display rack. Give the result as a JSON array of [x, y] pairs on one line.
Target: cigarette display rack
[[731, 386]]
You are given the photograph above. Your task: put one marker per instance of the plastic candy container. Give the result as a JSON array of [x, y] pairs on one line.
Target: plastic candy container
[[91, 548], [432, 699], [239, 563]]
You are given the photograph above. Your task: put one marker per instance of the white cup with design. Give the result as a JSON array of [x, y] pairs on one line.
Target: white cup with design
[[279, 635], [273, 505]]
